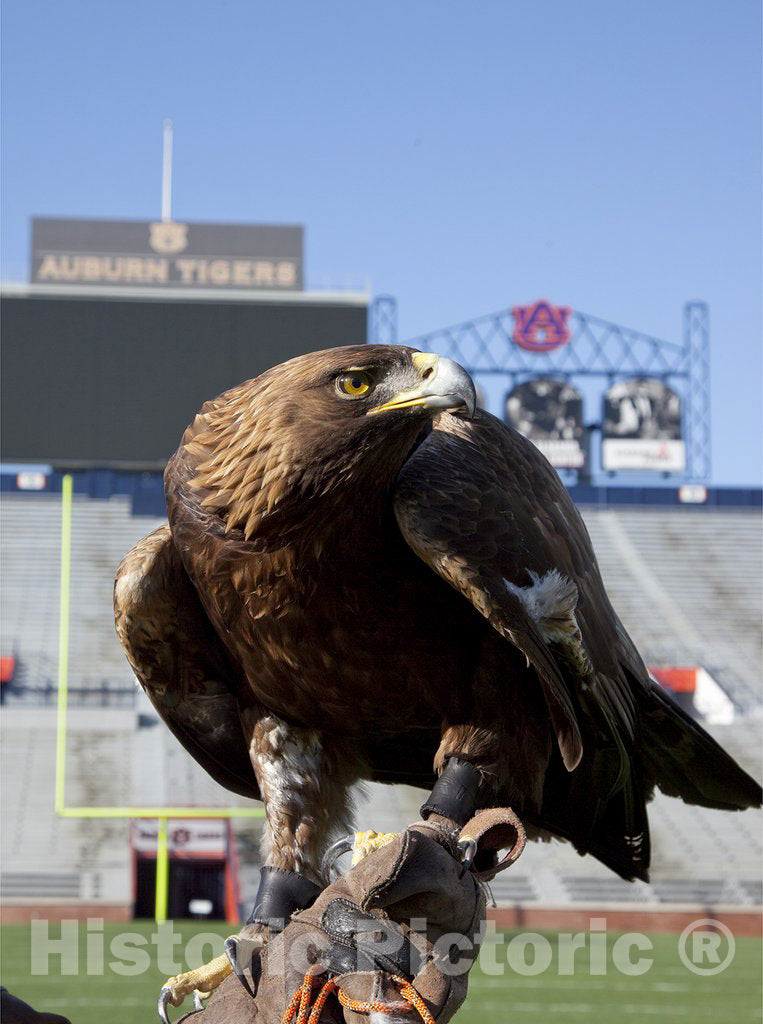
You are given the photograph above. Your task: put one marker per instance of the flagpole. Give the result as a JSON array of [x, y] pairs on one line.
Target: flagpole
[[167, 172]]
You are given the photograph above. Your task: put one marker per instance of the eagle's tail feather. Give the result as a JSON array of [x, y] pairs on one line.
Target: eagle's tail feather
[[683, 760], [620, 838], [613, 828]]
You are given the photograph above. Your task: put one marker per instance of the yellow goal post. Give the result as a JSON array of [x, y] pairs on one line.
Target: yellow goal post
[[161, 814]]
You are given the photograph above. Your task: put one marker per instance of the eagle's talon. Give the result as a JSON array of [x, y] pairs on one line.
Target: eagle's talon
[[167, 998], [231, 948], [332, 855], [360, 843], [468, 849], [199, 982]]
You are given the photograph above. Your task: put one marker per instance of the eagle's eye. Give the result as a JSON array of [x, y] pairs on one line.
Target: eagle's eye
[[354, 384]]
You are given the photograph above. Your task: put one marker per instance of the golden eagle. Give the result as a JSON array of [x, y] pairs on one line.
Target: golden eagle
[[363, 576]]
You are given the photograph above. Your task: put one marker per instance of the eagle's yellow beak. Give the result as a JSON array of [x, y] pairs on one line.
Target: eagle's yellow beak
[[444, 385]]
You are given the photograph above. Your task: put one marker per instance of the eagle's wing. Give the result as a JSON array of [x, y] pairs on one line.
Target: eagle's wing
[[478, 503], [180, 661]]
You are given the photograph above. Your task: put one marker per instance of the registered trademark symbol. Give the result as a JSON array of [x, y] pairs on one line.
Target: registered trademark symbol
[[701, 943]]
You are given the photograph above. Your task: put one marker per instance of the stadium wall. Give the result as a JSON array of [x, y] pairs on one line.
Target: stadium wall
[[145, 487]]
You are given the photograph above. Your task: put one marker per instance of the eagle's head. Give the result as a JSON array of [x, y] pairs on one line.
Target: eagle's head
[[321, 429]]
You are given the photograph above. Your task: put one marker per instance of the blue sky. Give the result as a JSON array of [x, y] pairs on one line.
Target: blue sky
[[460, 156]]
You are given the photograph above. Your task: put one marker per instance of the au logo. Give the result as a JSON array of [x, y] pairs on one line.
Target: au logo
[[168, 237], [541, 327]]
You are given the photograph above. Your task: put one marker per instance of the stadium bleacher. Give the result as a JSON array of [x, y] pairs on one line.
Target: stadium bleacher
[[102, 531], [686, 583], [56, 860]]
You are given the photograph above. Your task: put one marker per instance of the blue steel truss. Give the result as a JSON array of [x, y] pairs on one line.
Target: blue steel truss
[[697, 418], [597, 349], [382, 328]]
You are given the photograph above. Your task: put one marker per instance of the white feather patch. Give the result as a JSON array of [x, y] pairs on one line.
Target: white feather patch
[[550, 601]]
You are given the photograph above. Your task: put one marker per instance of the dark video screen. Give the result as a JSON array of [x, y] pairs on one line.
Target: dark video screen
[[105, 381]]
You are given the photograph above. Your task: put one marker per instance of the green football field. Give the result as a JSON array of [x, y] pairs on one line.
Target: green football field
[[124, 978]]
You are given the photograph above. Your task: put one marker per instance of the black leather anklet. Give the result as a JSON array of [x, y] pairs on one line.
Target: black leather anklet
[[455, 793], [281, 892]]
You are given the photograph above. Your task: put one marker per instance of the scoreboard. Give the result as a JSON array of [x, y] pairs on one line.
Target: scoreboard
[[94, 375]]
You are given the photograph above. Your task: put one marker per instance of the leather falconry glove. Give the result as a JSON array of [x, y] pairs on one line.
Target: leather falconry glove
[[397, 935]]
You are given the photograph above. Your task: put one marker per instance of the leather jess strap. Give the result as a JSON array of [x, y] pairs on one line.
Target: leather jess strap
[[494, 829]]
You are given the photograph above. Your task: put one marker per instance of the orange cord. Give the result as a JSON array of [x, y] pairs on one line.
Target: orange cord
[[298, 1009], [407, 991]]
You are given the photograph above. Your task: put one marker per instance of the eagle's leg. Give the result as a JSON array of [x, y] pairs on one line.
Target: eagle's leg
[[511, 757], [304, 778], [506, 761]]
